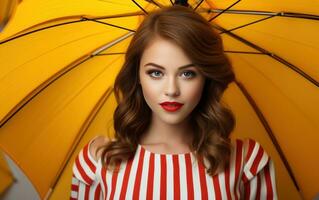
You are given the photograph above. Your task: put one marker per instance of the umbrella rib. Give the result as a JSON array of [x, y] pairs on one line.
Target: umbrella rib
[[244, 52], [300, 15], [107, 54], [110, 44], [40, 29], [256, 12], [121, 15], [224, 10], [155, 3], [198, 5], [254, 22], [97, 21], [140, 7], [268, 130], [276, 57], [65, 23]]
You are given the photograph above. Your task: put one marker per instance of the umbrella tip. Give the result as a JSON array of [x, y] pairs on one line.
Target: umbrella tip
[[181, 2]]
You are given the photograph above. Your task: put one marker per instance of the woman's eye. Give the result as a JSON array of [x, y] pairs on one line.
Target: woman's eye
[[156, 73], [189, 72], [153, 72]]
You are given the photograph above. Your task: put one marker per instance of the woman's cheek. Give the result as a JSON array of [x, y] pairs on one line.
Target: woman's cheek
[[150, 94], [195, 93]]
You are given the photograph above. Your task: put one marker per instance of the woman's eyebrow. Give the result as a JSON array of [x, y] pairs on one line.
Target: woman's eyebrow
[[159, 66]]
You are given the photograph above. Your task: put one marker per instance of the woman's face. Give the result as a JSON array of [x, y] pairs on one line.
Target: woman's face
[[163, 80]]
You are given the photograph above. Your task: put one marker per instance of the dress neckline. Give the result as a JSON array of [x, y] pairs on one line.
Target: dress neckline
[[166, 154]]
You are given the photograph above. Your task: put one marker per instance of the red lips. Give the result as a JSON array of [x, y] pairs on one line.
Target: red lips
[[171, 106]]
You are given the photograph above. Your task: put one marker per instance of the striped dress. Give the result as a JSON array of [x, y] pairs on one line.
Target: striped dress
[[149, 175]]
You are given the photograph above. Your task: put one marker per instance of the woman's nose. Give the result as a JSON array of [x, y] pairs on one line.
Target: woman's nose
[[172, 88]]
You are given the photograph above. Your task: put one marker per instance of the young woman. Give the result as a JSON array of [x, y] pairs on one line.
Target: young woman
[[171, 129]]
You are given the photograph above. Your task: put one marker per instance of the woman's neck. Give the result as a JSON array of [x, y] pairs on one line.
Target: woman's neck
[[170, 135]]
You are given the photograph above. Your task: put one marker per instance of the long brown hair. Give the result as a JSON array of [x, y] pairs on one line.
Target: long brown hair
[[211, 120]]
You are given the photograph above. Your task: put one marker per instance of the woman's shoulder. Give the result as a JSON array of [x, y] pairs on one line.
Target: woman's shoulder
[[246, 144], [86, 161], [249, 148], [253, 155]]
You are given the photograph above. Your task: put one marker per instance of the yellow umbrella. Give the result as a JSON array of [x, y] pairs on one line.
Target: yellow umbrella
[[59, 59]]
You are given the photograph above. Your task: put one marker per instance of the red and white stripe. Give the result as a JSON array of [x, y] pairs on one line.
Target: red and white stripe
[[148, 175], [259, 173], [84, 184]]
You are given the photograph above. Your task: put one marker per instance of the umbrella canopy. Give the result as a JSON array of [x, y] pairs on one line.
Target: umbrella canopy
[[59, 59]]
